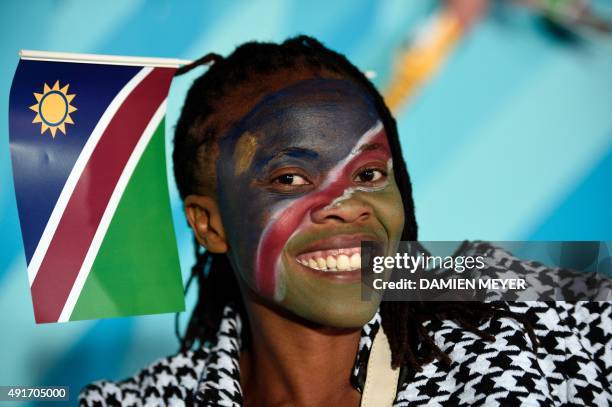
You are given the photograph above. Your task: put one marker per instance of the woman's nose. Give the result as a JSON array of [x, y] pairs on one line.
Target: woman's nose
[[347, 211]]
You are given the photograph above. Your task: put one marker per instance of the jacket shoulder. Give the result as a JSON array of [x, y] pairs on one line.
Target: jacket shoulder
[[569, 365], [168, 381]]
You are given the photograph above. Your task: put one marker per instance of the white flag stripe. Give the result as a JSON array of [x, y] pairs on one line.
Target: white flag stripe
[[109, 212], [77, 170]]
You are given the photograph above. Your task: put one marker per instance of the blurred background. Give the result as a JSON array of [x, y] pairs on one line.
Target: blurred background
[[504, 110]]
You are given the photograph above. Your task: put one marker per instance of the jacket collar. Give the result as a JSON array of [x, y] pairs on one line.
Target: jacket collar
[[220, 380]]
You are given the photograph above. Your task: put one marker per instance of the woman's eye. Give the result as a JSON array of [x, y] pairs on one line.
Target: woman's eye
[[370, 175], [290, 179]]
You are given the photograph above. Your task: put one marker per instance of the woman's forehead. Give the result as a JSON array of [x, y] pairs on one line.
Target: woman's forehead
[[308, 96], [314, 113]]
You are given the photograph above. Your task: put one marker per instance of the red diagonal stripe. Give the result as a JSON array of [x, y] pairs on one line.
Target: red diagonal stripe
[[78, 225]]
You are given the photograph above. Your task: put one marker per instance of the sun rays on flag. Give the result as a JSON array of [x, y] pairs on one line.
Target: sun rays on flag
[[53, 108]]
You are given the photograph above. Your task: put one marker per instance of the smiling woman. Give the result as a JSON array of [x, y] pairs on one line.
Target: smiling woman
[[287, 158]]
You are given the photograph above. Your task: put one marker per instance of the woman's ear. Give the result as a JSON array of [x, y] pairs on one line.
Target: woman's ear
[[205, 220]]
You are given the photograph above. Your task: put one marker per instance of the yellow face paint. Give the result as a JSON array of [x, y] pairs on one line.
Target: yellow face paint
[[244, 153]]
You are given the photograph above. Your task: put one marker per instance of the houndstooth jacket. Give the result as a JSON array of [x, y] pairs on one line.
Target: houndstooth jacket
[[572, 365]]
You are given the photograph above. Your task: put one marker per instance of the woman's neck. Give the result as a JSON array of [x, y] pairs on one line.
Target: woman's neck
[[289, 362]]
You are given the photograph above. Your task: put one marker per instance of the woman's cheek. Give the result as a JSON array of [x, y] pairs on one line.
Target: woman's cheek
[[279, 222], [389, 209], [397, 212], [246, 228]]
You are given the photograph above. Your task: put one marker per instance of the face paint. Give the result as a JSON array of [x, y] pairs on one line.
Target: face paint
[[244, 152], [288, 220], [322, 135]]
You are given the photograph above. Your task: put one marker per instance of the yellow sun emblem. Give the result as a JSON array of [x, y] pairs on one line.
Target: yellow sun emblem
[[53, 108]]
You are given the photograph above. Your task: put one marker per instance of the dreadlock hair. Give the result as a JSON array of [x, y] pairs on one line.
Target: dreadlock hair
[[218, 99]]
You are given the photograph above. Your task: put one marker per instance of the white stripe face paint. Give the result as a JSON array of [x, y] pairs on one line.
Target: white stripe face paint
[[348, 193]]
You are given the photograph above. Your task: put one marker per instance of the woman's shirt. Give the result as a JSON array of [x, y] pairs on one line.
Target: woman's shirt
[[572, 364]]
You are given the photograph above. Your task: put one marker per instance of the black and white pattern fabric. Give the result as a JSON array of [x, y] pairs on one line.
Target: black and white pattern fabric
[[572, 365], [543, 283]]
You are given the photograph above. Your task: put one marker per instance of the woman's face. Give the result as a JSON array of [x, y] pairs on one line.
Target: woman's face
[[302, 180]]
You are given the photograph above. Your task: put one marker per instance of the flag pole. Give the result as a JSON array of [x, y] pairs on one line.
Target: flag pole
[[102, 59]]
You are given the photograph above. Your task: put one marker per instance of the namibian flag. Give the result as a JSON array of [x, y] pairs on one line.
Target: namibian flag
[[87, 147]]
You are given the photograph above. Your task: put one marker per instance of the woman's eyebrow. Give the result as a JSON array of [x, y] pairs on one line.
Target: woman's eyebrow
[[369, 147], [295, 152]]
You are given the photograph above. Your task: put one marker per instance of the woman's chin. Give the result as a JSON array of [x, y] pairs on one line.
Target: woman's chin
[[348, 314]]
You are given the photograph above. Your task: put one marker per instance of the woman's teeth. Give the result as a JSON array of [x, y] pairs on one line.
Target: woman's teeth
[[348, 259]]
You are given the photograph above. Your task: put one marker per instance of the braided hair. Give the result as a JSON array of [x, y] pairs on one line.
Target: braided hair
[[213, 104]]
